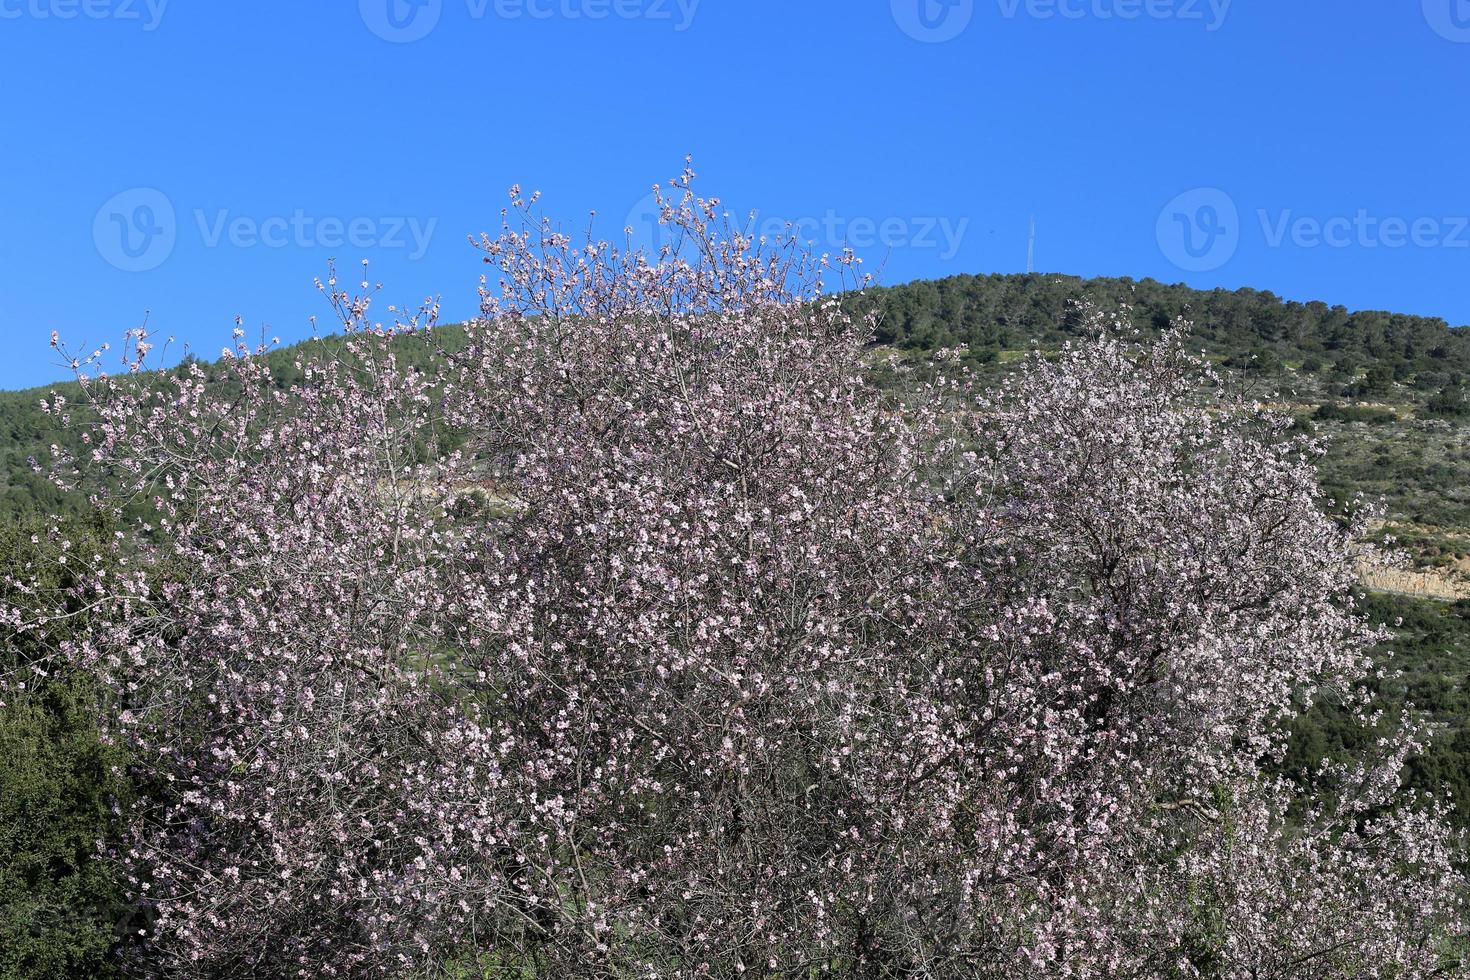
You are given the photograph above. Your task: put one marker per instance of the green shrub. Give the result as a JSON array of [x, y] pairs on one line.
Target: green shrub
[[1450, 402], [59, 903], [1352, 413], [61, 785]]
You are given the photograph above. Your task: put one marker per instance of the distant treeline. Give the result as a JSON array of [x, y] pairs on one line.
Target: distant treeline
[[1246, 328]]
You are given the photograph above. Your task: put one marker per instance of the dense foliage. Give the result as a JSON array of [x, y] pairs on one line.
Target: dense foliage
[[636, 632], [61, 907]]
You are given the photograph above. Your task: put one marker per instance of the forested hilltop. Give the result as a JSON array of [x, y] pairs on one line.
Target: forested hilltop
[[1246, 326]]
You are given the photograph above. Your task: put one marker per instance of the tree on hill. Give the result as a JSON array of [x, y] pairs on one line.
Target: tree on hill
[[640, 634]]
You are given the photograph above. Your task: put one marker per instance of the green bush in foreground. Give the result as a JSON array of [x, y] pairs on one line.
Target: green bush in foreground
[[59, 904], [61, 907]]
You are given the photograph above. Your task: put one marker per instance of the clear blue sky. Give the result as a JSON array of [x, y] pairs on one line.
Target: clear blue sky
[[205, 159]]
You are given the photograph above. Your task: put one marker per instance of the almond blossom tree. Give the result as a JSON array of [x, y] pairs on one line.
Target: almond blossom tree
[[1163, 592], [636, 633]]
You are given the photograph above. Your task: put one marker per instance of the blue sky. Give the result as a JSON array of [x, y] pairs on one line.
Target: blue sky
[[202, 160]]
